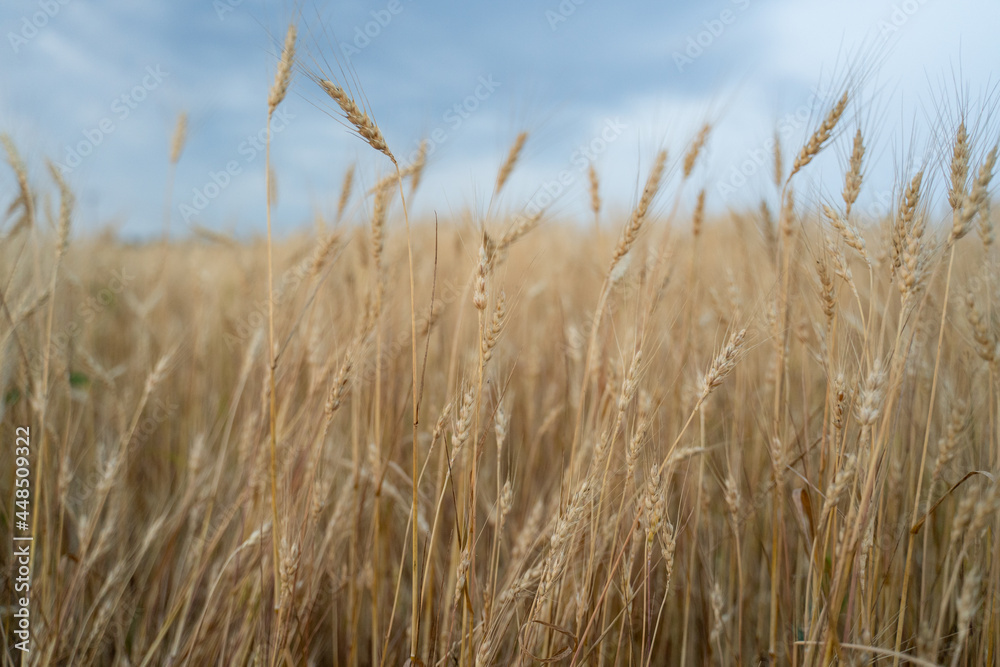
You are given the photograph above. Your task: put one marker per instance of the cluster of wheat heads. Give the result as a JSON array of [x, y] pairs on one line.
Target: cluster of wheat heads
[[679, 439]]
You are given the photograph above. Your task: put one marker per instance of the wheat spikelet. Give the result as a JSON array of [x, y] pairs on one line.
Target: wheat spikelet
[[852, 237], [389, 180], [668, 545], [529, 532], [463, 425], [984, 513], [828, 291], [959, 169], [362, 122], [159, 371], [913, 269], [506, 501], [283, 75], [378, 228], [958, 189], [288, 569], [840, 267], [872, 395], [562, 537], [630, 384], [179, 138], [631, 230], [787, 215], [25, 199], [595, 192], [841, 483], [724, 364], [852, 181], [905, 217], [779, 461], [962, 519], [820, 136], [442, 420], [986, 232], [492, 334], [482, 270], [987, 346], [510, 162], [322, 253], [696, 146], [968, 601], [523, 225], [339, 387], [653, 505], [682, 454], [947, 445], [66, 203], [715, 635], [976, 200], [699, 215], [501, 423], [634, 448], [731, 496], [417, 167], [460, 575], [345, 191]]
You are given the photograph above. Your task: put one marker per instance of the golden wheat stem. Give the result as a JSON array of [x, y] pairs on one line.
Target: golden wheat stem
[[415, 602], [271, 367], [923, 460], [275, 97], [694, 543], [62, 240], [783, 314]]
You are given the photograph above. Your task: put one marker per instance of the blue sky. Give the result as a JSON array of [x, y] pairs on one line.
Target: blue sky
[[108, 78]]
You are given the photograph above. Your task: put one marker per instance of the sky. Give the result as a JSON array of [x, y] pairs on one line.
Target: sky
[[97, 86]]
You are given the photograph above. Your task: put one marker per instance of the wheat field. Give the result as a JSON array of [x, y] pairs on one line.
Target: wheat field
[[656, 437]]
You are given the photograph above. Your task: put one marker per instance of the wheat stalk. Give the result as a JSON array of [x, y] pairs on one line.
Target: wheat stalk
[[279, 88]]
